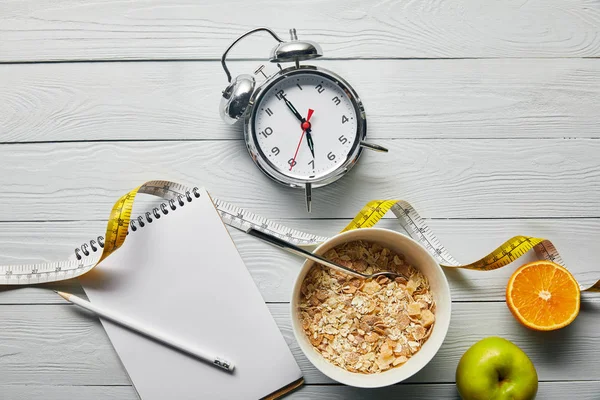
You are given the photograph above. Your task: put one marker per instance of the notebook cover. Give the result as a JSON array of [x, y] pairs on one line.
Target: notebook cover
[[285, 390], [182, 274]]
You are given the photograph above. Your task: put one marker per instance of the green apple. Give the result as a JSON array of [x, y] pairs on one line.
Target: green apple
[[496, 369]]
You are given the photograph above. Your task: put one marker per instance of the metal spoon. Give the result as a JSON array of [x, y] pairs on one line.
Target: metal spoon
[[282, 244]]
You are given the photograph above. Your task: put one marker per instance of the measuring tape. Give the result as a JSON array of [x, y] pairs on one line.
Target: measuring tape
[[176, 195]]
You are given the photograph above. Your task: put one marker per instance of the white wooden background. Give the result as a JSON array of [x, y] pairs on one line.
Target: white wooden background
[[490, 110]]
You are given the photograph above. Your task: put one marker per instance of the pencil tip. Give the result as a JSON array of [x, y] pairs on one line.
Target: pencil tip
[[64, 295]]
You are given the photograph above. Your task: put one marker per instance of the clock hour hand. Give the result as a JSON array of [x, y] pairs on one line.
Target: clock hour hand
[[293, 109]]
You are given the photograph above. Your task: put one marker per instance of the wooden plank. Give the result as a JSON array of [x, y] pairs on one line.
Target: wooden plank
[[56, 345], [50, 392], [405, 99], [62, 345], [465, 178], [275, 271], [50, 30], [546, 391]]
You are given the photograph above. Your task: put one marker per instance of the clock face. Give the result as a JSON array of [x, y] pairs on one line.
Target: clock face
[[300, 143]]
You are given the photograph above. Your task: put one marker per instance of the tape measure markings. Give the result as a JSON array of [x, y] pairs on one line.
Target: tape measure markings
[[120, 219], [412, 222], [232, 214]]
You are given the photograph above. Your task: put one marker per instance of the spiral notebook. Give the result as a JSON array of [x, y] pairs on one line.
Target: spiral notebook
[[182, 274]]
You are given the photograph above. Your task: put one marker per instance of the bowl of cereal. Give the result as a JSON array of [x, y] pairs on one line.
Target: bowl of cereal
[[371, 332]]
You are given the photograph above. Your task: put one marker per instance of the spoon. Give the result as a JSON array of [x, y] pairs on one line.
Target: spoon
[[282, 244]]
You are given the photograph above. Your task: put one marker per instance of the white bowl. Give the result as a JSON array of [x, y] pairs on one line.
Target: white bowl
[[420, 259]]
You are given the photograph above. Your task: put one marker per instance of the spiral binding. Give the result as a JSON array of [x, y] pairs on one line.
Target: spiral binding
[[156, 213]]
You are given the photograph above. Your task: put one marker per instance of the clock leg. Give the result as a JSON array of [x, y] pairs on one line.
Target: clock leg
[[308, 192], [372, 146]]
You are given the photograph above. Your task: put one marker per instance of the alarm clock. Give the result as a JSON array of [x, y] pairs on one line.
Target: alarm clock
[[304, 126]]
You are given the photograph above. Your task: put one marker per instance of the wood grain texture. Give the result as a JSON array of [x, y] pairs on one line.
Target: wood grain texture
[[63, 345], [546, 391], [274, 271], [490, 110], [34, 30], [50, 392], [57, 345], [441, 178], [404, 99]]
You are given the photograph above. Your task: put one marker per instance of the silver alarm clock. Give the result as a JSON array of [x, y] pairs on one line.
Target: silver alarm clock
[[304, 126]]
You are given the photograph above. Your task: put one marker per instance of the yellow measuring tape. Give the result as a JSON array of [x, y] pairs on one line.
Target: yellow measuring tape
[[120, 223], [503, 255]]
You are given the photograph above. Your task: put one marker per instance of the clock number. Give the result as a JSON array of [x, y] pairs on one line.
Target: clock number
[[280, 94], [275, 150], [331, 156], [320, 88], [267, 132], [344, 119], [312, 164], [299, 87], [343, 140], [269, 112], [292, 162], [336, 100]]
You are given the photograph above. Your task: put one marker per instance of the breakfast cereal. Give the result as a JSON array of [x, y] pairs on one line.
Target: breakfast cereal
[[366, 326]]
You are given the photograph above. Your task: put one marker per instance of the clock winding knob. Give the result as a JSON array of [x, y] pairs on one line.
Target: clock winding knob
[[259, 70]]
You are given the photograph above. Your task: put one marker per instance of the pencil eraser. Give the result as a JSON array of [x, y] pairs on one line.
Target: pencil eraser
[[224, 364]]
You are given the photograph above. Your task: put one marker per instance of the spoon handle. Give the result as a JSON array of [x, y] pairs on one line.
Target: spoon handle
[[282, 244]]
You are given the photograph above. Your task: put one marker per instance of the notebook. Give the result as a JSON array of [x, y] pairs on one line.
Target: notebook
[[182, 274]]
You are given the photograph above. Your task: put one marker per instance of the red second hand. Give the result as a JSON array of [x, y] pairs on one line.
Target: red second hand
[[304, 126]]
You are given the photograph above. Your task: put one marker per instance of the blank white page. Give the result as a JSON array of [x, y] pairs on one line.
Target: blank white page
[[182, 274]]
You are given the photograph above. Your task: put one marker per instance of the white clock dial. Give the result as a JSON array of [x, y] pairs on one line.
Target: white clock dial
[[279, 132]]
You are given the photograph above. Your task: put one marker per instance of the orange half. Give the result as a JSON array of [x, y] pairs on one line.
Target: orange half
[[543, 296]]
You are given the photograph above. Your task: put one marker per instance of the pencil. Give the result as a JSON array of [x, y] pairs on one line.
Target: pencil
[[151, 333]]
